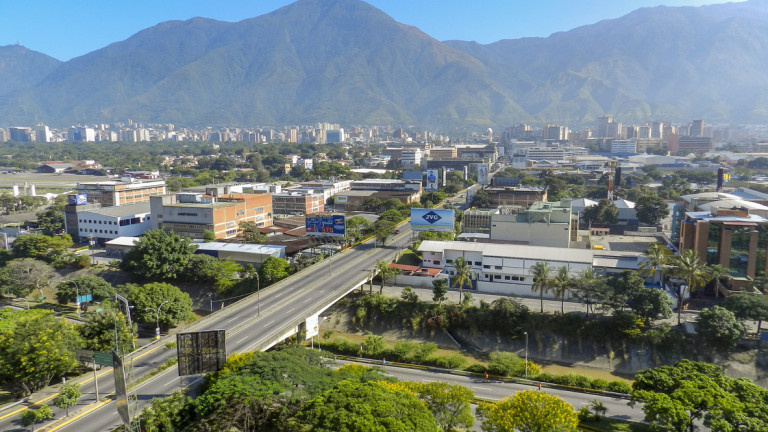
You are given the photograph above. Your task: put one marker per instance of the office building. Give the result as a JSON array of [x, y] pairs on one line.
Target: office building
[[293, 202], [689, 144], [107, 223], [697, 128], [542, 224], [623, 147], [127, 190], [21, 134], [411, 157], [191, 214]]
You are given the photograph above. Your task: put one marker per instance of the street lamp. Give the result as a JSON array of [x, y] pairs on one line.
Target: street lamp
[[157, 317], [258, 295], [77, 297], [526, 354], [318, 331]]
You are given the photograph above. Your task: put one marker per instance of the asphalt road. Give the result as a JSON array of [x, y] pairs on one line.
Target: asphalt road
[[249, 326]]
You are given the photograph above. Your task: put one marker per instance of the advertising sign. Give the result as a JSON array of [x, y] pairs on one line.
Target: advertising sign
[[78, 199], [201, 352], [482, 174], [334, 226], [341, 199], [432, 180], [413, 175], [85, 356], [312, 326], [431, 220]]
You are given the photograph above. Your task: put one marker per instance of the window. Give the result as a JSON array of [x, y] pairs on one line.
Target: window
[[498, 267], [449, 261], [507, 277], [486, 266], [436, 262], [487, 276], [496, 276]]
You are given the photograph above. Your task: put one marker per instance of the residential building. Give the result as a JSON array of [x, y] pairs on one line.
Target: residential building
[[81, 134], [190, 214], [697, 128], [103, 224], [623, 146], [21, 134], [335, 136], [543, 224], [127, 190], [680, 143], [411, 157]]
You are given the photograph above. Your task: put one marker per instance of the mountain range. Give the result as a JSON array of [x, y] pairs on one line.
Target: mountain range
[[344, 61]]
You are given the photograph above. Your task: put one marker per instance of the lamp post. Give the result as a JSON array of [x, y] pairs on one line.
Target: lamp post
[[318, 331], [77, 297], [258, 295], [526, 354], [157, 317]]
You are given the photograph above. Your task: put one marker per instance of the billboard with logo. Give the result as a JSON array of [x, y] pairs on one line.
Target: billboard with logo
[[431, 220], [326, 225], [482, 174], [432, 179], [78, 199]]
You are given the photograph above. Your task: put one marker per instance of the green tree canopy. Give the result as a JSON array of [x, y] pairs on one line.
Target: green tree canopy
[[363, 407], [41, 246], [542, 280], [719, 327], [51, 221], [748, 306], [22, 276], [159, 254], [88, 284], [383, 229], [273, 270], [604, 213], [148, 299], [35, 348], [651, 304], [68, 396], [100, 329], [651, 209]]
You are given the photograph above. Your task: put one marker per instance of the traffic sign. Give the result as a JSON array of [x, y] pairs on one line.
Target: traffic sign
[[84, 298], [103, 359], [85, 356]]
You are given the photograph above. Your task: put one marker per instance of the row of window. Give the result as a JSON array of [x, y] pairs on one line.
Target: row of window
[[95, 231], [497, 277], [123, 222]]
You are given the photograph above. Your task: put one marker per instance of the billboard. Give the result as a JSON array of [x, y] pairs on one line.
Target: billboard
[[413, 175], [482, 174], [313, 326], [334, 226], [201, 352], [78, 199], [341, 199], [432, 180], [121, 389], [431, 220]]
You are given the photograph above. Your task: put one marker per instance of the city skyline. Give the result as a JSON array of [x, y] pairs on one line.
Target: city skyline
[[63, 32]]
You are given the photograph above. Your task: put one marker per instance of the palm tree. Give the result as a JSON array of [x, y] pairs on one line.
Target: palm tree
[[692, 270], [542, 280], [657, 261], [717, 273], [463, 275], [586, 287], [562, 283]]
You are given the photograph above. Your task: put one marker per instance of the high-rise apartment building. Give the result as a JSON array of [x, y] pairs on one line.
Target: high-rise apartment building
[[602, 126], [697, 128], [21, 134]]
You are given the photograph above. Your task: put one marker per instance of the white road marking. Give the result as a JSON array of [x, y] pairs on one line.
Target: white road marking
[[173, 381], [269, 323], [483, 388], [291, 310], [242, 339]]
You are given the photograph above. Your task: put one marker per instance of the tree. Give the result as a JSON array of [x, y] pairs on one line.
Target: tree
[[450, 404], [651, 209], [22, 276], [748, 306], [651, 304], [273, 269], [251, 232], [168, 414], [372, 204], [464, 275], [222, 274], [357, 226], [68, 397], [160, 301], [657, 260], [439, 290], [209, 236], [362, 407], [542, 280], [598, 407], [719, 328], [589, 289], [528, 411], [159, 254], [35, 348], [100, 330], [392, 215], [673, 397], [51, 221], [482, 199], [717, 273], [383, 229], [688, 267], [562, 283], [603, 213], [89, 284], [30, 416], [385, 273], [40, 246]]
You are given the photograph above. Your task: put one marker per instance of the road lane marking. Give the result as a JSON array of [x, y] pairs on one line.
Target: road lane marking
[[483, 388], [78, 416], [291, 310], [241, 340]]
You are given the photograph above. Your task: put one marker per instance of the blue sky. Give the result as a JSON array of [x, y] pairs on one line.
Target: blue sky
[[70, 28]]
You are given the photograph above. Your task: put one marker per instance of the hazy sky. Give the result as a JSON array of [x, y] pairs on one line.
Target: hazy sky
[[69, 28]]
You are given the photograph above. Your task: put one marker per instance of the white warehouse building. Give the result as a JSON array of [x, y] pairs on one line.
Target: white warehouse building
[[506, 268]]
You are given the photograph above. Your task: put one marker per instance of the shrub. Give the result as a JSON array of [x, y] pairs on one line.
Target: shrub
[[403, 350], [619, 387], [475, 368], [584, 414], [598, 384], [424, 350], [344, 346], [505, 364], [573, 380], [453, 361]]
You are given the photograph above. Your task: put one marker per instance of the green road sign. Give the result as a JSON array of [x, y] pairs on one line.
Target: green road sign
[[103, 359]]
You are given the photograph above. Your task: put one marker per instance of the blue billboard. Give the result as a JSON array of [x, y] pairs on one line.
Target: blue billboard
[[326, 225], [78, 199], [431, 220]]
